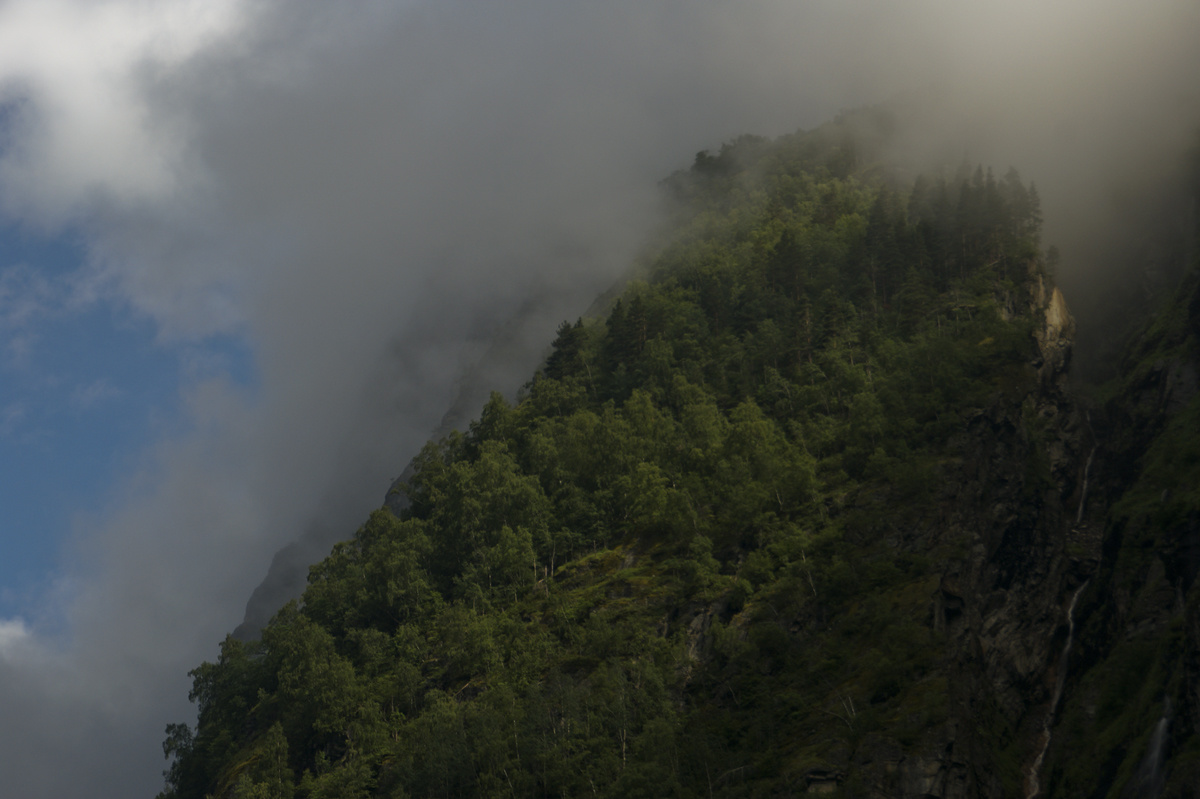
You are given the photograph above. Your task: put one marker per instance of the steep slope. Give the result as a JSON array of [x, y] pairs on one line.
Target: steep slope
[[512, 353], [1133, 707], [809, 509]]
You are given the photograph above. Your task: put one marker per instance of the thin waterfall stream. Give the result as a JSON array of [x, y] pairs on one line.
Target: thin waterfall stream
[[1087, 469], [1032, 777], [1150, 778]]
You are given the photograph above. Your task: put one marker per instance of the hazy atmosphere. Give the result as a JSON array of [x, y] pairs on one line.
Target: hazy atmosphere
[[250, 247]]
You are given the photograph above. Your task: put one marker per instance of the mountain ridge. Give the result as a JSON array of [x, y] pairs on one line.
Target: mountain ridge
[[813, 508]]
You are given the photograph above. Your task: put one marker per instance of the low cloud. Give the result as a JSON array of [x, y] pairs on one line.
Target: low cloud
[[13, 636]]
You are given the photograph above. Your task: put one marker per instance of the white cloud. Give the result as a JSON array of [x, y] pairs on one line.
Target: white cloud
[[13, 635], [75, 75]]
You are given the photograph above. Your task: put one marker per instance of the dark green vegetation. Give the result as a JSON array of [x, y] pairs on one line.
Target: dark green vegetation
[[1141, 644], [767, 527]]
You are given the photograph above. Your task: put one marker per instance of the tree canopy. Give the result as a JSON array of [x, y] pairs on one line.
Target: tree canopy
[[670, 567]]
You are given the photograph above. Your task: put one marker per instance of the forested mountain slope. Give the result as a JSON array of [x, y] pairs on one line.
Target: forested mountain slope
[[804, 510]]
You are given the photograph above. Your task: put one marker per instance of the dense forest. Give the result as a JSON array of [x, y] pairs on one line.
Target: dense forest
[[763, 525]]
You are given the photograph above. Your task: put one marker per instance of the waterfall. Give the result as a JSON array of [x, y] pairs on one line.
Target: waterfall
[[1032, 782], [1083, 495], [1150, 778]]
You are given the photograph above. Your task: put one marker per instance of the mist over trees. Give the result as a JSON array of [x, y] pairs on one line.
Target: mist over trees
[[659, 572]]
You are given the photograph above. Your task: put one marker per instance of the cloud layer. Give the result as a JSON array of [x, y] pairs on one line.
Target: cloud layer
[[364, 194]]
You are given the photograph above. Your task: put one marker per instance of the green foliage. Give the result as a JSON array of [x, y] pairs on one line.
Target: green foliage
[[660, 573]]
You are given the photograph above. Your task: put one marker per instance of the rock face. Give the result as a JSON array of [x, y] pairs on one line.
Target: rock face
[[1073, 618], [1036, 603], [1056, 335], [285, 580], [1132, 706], [1004, 605]]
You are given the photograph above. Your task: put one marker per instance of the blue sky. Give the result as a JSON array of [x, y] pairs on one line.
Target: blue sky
[[86, 384], [81, 389]]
